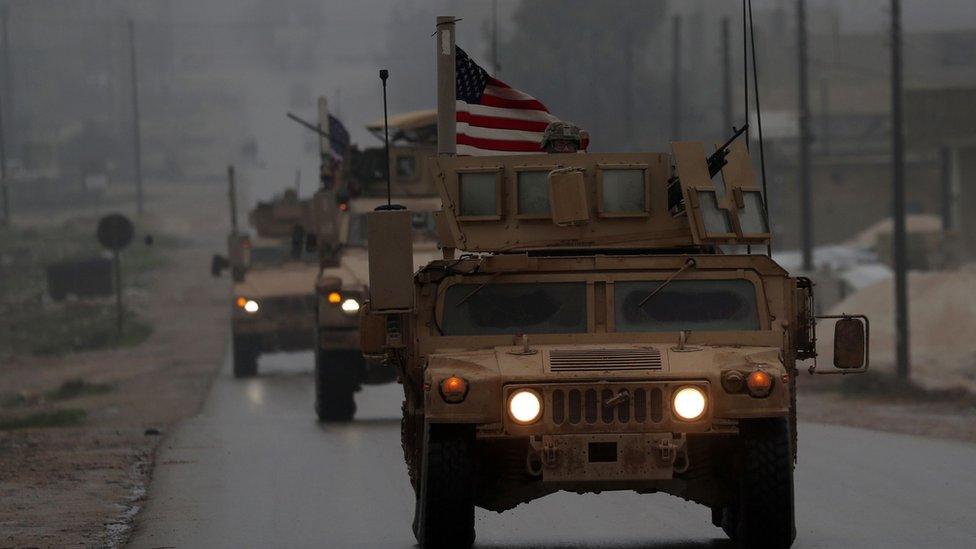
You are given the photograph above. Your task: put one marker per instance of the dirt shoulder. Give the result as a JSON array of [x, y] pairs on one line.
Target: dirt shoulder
[[876, 401], [81, 485]]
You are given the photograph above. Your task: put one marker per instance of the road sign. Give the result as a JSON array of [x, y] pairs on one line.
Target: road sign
[[114, 231]]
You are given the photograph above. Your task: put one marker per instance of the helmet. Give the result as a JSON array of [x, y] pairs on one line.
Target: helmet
[[561, 131]]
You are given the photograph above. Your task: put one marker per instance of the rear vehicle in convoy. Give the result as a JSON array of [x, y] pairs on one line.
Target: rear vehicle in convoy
[[607, 329], [272, 299], [343, 282]]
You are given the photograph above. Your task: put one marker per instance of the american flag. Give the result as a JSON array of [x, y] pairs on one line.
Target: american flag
[[493, 117], [338, 139]]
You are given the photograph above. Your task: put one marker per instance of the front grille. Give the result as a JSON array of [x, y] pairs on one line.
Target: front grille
[[287, 305], [581, 360], [587, 406]]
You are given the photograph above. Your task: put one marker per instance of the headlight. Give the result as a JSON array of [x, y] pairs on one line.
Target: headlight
[[350, 305], [689, 403], [525, 406], [246, 304]]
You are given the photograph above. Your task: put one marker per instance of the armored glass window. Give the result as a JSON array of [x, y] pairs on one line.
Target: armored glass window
[[356, 236], [406, 166], [623, 191], [752, 216], [533, 193], [478, 193], [491, 309], [697, 305], [716, 219], [268, 255]]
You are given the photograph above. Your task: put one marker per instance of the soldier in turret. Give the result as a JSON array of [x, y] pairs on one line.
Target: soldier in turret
[[562, 137]]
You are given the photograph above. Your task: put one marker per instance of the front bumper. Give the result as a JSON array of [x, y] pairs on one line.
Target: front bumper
[[268, 335], [607, 457]]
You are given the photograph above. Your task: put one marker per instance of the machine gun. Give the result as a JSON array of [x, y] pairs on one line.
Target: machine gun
[[716, 161]]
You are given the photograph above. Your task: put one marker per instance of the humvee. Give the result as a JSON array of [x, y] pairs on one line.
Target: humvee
[[342, 284], [614, 323], [272, 300]]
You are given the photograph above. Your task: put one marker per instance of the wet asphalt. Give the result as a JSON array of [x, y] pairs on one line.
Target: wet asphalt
[[254, 469]]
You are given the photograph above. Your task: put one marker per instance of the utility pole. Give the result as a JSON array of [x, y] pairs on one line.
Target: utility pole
[[136, 135], [727, 115], [8, 72], [946, 154], [627, 101], [898, 191], [4, 117], [676, 77], [806, 213], [232, 197], [495, 68], [824, 137]]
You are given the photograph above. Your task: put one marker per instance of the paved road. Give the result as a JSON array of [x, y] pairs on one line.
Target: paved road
[[255, 470]]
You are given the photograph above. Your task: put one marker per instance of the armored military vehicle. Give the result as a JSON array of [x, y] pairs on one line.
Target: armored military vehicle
[[342, 284], [273, 299], [606, 328]]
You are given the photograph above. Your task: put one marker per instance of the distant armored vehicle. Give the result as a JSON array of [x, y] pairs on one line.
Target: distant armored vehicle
[[343, 282], [273, 300], [595, 336]]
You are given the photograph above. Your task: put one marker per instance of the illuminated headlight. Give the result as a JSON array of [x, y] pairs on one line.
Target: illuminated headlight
[[350, 305], [525, 406], [251, 306], [689, 403]]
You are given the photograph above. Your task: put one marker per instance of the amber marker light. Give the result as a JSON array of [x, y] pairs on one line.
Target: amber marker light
[[241, 302], [335, 297], [759, 383], [454, 389]]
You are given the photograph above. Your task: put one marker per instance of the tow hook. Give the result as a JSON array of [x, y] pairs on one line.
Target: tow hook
[[549, 453], [668, 449]]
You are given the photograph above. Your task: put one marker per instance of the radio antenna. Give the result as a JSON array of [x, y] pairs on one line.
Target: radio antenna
[[762, 156], [384, 74]]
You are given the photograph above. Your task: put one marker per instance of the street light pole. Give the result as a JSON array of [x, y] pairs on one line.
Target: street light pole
[[136, 135], [898, 180], [806, 209]]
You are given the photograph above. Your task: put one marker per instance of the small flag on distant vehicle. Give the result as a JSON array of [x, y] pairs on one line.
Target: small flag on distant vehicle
[[494, 118], [338, 139]]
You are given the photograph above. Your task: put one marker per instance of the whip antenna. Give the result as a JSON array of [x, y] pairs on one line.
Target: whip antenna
[[384, 74], [755, 85]]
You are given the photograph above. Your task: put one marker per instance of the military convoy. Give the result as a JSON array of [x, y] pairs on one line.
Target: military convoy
[[604, 329]]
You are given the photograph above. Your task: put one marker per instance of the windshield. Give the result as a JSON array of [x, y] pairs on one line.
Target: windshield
[[424, 228], [268, 255], [696, 305], [557, 308]]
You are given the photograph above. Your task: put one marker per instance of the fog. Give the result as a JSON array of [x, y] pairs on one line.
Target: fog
[[139, 107]]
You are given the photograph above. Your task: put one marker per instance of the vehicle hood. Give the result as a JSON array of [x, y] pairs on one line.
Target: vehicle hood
[[565, 362], [293, 278], [353, 268]]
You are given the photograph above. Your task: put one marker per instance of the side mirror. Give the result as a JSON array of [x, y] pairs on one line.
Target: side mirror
[[372, 332], [217, 264], [851, 345]]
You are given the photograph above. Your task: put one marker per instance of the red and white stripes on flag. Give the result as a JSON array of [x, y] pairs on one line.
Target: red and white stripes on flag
[[494, 118]]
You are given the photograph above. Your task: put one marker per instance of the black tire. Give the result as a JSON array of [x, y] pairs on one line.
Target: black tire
[[336, 379], [444, 514], [245, 357], [764, 514]]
